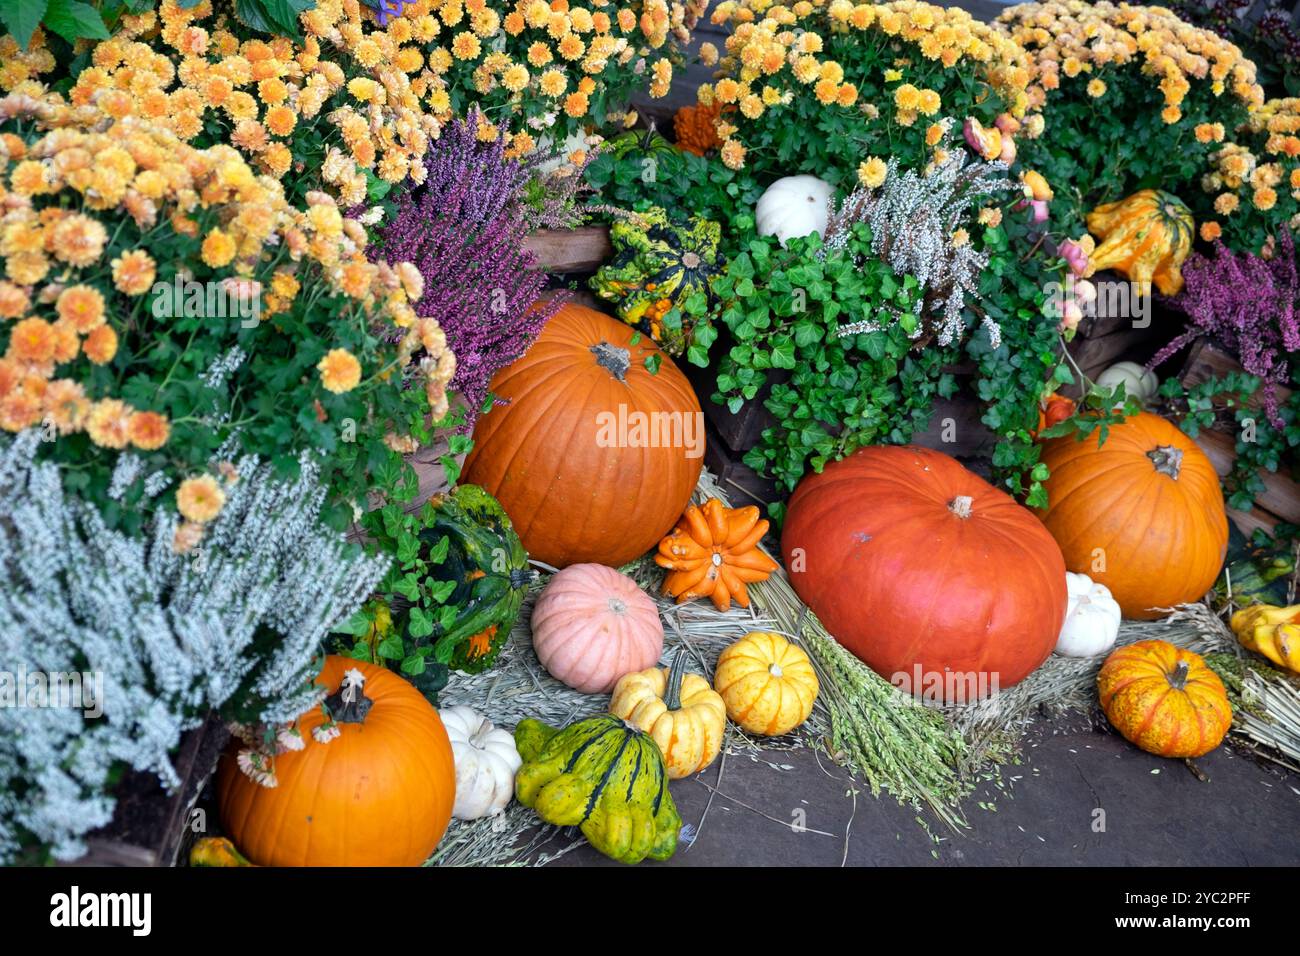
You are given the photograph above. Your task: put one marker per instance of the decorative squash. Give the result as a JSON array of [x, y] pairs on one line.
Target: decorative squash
[[685, 716], [1091, 618], [591, 625], [1144, 238], [1271, 631], [646, 144], [604, 777], [794, 206], [486, 763], [1164, 699], [593, 455], [1141, 513], [1053, 410], [1141, 383], [658, 264], [713, 552], [489, 567], [217, 852], [373, 784], [768, 684], [696, 127], [921, 568]]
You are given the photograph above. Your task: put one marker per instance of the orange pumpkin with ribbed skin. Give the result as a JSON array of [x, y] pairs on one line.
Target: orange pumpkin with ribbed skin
[[1141, 513], [378, 794], [1164, 699], [912, 561], [591, 456]]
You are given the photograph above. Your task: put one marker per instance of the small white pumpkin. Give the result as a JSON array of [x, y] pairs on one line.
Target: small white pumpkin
[[1138, 381], [1091, 618], [486, 763], [792, 207]]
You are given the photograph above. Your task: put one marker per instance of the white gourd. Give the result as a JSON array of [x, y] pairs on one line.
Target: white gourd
[[1138, 381], [792, 207], [486, 763], [1091, 618]]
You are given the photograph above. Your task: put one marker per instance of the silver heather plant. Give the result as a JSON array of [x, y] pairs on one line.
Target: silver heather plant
[[236, 625], [916, 222]]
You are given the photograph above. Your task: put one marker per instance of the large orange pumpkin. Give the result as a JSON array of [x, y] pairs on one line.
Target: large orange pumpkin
[[1164, 699], [1141, 513], [594, 456], [929, 574], [378, 794]]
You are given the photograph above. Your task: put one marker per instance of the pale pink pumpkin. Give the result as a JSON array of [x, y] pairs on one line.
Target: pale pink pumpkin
[[592, 625]]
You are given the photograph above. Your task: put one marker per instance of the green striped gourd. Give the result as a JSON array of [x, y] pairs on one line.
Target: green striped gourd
[[606, 778]]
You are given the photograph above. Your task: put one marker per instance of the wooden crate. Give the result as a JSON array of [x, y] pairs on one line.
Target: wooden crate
[[566, 251], [1102, 340], [1280, 500], [151, 826]]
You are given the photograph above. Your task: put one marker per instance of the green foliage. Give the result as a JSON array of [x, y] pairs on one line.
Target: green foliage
[[1260, 446], [784, 311], [682, 182], [459, 573]]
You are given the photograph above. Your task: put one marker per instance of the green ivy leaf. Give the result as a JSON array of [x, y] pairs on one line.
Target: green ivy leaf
[[22, 17], [73, 20]]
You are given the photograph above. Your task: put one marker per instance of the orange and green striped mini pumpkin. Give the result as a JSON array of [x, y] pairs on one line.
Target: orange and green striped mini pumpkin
[[1145, 238], [1164, 699]]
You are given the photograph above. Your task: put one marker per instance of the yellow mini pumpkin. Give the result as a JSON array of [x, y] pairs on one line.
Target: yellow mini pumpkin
[[767, 683], [1271, 631], [1144, 238], [683, 714]]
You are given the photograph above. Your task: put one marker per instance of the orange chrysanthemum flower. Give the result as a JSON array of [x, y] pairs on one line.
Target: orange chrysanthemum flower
[[82, 306], [100, 345], [148, 431], [134, 272], [108, 423], [32, 340], [200, 499], [339, 371]]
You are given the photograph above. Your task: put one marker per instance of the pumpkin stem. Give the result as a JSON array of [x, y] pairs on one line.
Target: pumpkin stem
[[1167, 459], [613, 359], [960, 506], [348, 704], [676, 671], [1178, 679], [479, 737]]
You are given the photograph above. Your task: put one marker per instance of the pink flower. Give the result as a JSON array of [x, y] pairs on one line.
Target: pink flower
[[1038, 209], [1008, 154], [1075, 256], [1071, 316], [986, 142]]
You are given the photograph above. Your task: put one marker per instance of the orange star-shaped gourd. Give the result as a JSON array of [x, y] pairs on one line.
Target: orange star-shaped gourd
[[713, 552]]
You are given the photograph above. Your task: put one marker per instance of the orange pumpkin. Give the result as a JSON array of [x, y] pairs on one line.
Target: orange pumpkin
[[1164, 699], [593, 456], [923, 569], [378, 794], [1141, 513], [713, 552]]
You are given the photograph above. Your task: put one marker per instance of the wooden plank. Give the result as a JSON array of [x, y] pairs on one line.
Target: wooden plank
[[1248, 522], [955, 427], [1281, 494], [103, 852], [1206, 360], [1094, 355], [584, 249]]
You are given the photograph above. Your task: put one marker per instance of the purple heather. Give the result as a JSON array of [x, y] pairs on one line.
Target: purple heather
[[1248, 304], [464, 229]]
